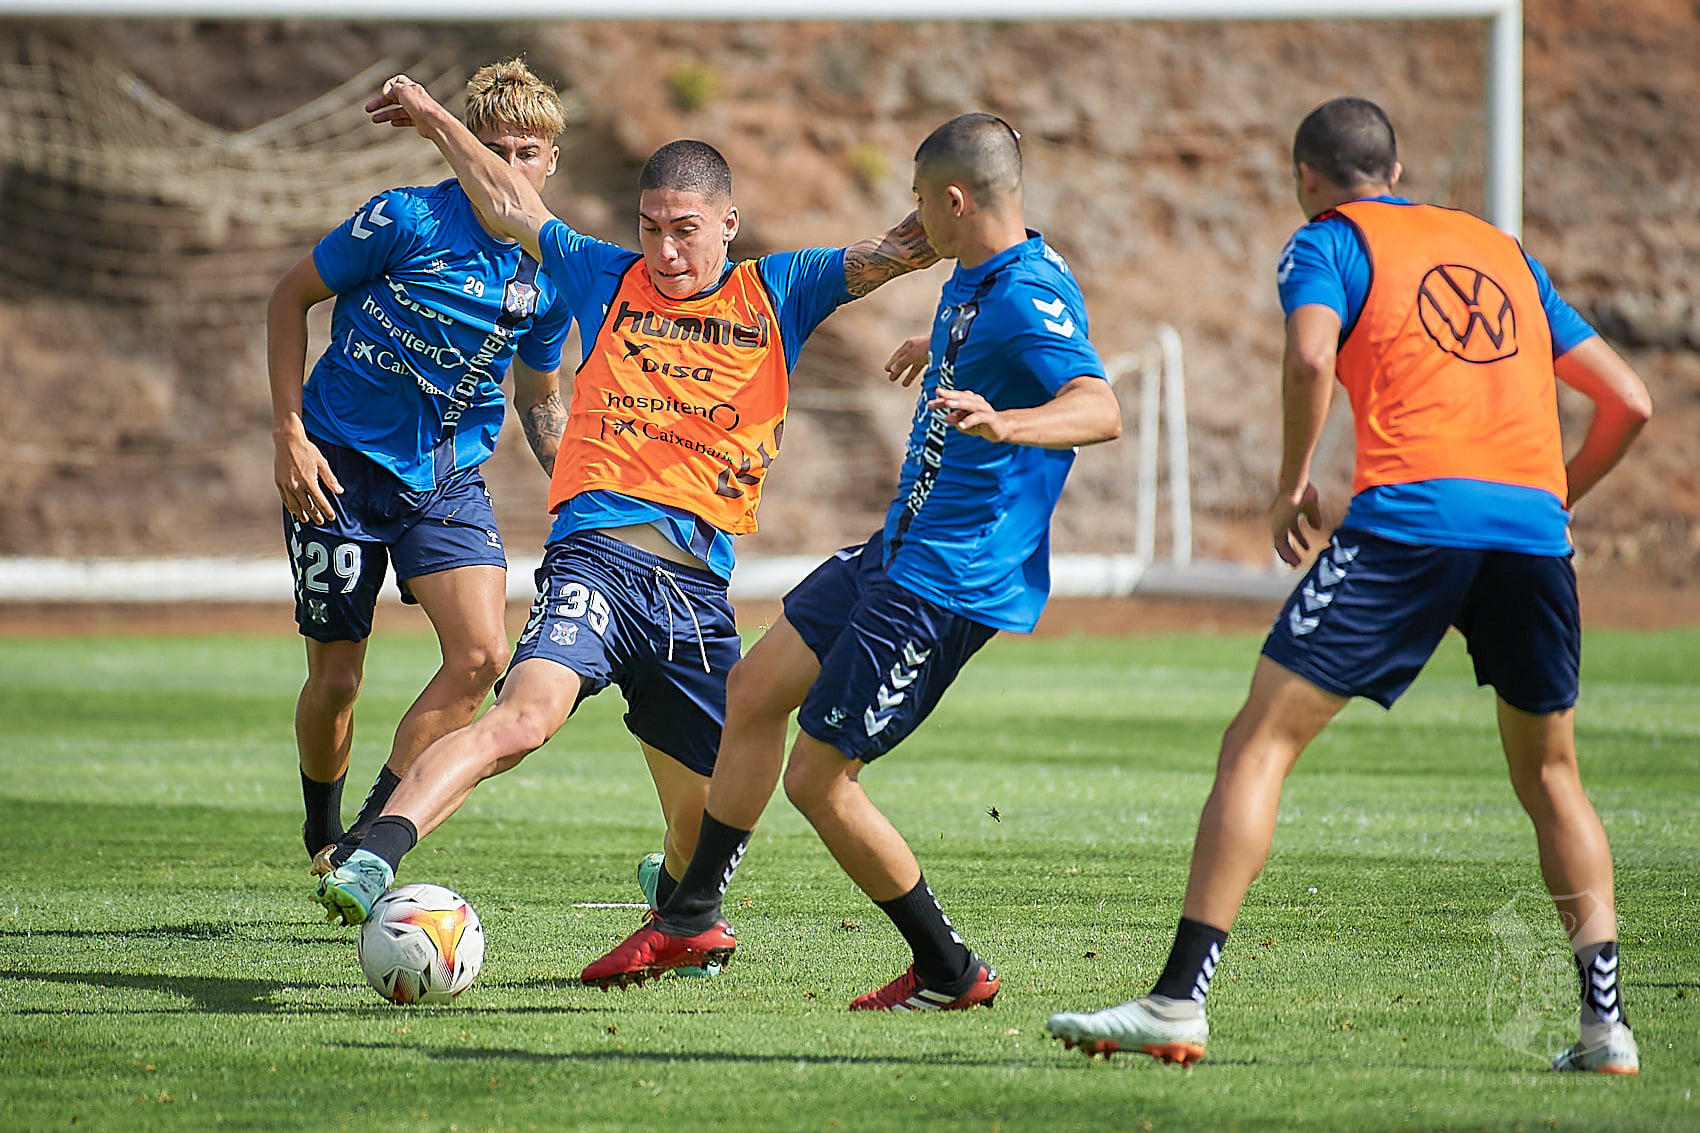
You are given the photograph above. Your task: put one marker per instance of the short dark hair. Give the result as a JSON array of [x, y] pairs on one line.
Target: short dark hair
[[688, 167], [1349, 141], [981, 152]]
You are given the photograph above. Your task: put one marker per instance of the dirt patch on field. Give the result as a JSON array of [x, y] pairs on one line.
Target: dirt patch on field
[[1603, 606]]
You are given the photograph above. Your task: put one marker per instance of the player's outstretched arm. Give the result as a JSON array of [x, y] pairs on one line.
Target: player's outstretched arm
[[502, 197], [1083, 412], [537, 403], [897, 251], [1307, 387], [301, 471], [1622, 406]]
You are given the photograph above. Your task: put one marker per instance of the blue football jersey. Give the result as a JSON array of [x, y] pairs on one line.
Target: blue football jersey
[[970, 526], [430, 309]]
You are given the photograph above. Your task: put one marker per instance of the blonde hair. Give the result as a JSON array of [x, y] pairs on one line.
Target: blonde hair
[[509, 92]]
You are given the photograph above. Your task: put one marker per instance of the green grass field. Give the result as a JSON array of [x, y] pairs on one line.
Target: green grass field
[[1394, 968]]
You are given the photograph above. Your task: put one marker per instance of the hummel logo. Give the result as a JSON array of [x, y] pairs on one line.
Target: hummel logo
[[1301, 625], [913, 657], [889, 699], [877, 724], [633, 349], [898, 678], [1313, 600], [1327, 573], [439, 266], [1053, 309], [834, 718], [492, 539], [373, 216]]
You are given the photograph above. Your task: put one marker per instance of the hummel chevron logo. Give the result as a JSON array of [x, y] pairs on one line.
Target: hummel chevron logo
[[1327, 573], [1053, 309], [1299, 624], [373, 216], [889, 699], [898, 678], [877, 724], [914, 657], [1313, 599], [1601, 964]]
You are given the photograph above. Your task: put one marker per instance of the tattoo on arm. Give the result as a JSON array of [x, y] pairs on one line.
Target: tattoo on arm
[[544, 424], [903, 249]]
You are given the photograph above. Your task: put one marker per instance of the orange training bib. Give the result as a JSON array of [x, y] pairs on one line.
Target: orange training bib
[[680, 401]]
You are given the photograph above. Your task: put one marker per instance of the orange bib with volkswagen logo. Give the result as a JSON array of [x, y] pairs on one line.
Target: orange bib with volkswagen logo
[[1449, 366], [680, 401]]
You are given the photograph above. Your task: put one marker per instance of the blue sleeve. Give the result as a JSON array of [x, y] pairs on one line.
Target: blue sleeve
[[541, 347], [806, 286], [361, 247], [586, 271], [1325, 264], [1569, 329], [1045, 334]]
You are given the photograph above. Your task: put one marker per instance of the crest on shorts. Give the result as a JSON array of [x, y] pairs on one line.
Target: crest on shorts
[[563, 633], [1467, 314]]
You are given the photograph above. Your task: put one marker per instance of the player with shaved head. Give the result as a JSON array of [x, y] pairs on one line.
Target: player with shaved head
[[1447, 337], [678, 408], [869, 642]]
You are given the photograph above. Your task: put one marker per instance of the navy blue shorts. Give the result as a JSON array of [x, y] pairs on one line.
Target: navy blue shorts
[[339, 568], [1370, 612], [663, 632], [886, 654]]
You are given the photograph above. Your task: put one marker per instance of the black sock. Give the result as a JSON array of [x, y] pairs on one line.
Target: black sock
[[1192, 961], [665, 885], [376, 799], [324, 812], [1602, 992], [695, 904], [390, 837], [941, 959]]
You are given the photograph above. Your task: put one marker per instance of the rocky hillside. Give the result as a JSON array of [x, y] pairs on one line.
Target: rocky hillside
[[1157, 163]]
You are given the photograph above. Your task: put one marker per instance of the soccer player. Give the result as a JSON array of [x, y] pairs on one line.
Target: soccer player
[[677, 412], [1447, 337], [871, 640], [378, 452]]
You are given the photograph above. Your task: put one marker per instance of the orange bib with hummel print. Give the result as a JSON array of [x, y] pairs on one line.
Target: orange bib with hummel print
[[680, 401], [1449, 366]]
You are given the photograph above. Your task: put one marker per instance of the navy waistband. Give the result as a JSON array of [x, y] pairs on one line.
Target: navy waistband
[[637, 558]]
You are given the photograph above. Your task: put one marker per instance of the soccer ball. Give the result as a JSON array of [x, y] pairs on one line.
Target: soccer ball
[[421, 944]]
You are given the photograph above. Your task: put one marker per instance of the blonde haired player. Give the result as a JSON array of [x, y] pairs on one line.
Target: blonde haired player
[[378, 451]]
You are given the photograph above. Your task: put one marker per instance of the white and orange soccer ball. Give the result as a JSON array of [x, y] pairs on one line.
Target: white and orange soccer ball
[[421, 944]]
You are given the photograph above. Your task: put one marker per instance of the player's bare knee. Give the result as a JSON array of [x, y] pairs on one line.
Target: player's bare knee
[[805, 788], [479, 667], [332, 688], [750, 697]]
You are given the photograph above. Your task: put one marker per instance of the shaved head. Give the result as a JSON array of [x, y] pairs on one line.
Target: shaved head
[[689, 167], [980, 152], [1349, 141]]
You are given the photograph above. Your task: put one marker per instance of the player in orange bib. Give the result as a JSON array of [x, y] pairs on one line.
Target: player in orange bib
[[1447, 338], [677, 411]]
